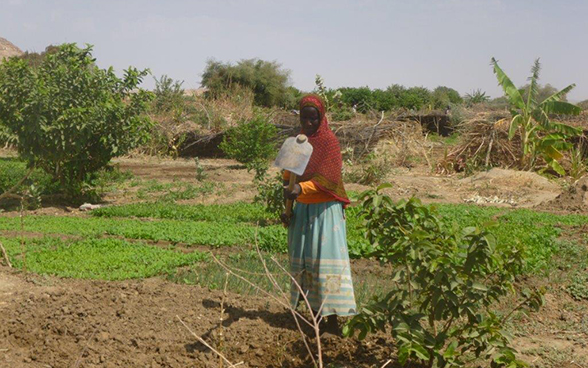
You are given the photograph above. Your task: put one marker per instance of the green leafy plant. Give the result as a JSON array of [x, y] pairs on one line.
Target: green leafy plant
[[476, 97], [540, 137], [70, 116], [578, 287], [444, 96], [201, 174], [169, 94], [270, 193], [446, 282], [251, 143]]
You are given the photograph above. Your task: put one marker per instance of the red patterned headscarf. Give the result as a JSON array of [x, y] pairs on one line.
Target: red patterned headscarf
[[324, 167]]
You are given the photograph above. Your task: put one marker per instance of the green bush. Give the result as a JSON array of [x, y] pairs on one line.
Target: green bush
[[445, 96], [270, 193], [35, 59], [251, 143], [476, 97], [70, 116], [446, 281], [12, 171], [169, 95], [267, 80], [361, 98]]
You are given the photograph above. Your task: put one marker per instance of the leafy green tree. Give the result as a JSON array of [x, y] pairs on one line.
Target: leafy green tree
[[540, 137], [251, 143], [445, 96], [268, 81], [70, 116], [415, 98], [383, 100], [445, 283], [361, 98]]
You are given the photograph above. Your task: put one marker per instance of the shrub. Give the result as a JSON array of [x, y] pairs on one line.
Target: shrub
[[267, 80], [476, 97], [360, 98], [251, 143], [35, 59], [270, 193], [70, 116], [169, 94], [446, 281], [445, 96], [13, 170]]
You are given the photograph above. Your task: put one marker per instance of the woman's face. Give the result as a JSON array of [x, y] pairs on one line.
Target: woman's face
[[310, 120]]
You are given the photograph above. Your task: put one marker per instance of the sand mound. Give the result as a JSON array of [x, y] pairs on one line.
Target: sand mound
[[7, 49], [575, 199], [514, 179]]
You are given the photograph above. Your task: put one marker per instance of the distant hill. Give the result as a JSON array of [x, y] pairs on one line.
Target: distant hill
[[7, 49]]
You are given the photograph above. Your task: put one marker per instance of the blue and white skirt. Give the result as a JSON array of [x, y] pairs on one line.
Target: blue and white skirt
[[319, 259]]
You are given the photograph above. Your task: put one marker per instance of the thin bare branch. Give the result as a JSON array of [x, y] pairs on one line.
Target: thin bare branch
[[201, 340], [5, 256]]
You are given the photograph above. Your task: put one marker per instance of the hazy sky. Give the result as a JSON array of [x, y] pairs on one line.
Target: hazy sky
[[350, 43]]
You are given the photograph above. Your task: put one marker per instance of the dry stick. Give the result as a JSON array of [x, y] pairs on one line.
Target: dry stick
[[489, 150], [372, 135], [316, 322], [22, 242], [285, 305], [220, 323], [388, 362], [201, 340], [5, 255], [79, 360], [292, 311]]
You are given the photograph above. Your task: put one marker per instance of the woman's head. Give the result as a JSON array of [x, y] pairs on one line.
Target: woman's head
[[312, 113]]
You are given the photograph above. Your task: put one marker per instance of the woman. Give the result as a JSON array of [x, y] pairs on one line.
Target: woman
[[317, 241]]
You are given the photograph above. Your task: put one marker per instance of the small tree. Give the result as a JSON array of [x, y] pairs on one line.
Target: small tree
[[71, 117], [476, 97], [445, 96], [251, 143], [268, 81], [445, 282], [540, 137], [169, 94]]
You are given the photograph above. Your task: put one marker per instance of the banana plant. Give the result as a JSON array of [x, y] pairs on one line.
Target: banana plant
[[540, 137]]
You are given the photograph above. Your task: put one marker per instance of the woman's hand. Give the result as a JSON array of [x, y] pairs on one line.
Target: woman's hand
[[285, 219], [294, 193]]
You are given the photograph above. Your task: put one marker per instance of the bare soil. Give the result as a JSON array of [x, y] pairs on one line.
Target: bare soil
[[51, 322]]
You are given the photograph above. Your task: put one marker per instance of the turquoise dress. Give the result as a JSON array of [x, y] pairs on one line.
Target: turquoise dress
[[319, 259]]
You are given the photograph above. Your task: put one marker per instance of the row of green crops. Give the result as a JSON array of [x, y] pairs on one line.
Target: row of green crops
[[107, 259], [236, 225]]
